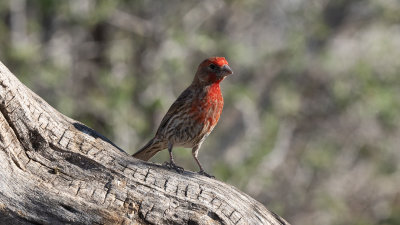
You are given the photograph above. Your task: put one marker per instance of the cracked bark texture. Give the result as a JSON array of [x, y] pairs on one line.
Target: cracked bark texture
[[55, 170]]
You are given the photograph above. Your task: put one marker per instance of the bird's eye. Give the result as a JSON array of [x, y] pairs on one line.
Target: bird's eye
[[213, 67]]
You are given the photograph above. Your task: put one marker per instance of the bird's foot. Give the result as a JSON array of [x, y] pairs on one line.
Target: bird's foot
[[172, 165], [202, 172]]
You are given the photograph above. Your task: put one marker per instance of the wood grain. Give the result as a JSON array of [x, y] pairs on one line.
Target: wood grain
[[55, 170]]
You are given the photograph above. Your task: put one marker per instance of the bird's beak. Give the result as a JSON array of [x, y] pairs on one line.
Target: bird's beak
[[227, 70]]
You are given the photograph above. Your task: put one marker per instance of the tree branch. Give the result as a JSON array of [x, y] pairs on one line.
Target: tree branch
[[55, 170]]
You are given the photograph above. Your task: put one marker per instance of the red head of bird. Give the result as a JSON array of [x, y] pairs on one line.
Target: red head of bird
[[212, 70]]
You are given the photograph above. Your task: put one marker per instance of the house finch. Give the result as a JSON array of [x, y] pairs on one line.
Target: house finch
[[193, 116]]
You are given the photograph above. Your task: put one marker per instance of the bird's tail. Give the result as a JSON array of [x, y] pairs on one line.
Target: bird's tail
[[150, 149]]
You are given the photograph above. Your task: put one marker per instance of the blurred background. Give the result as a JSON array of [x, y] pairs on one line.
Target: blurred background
[[311, 124]]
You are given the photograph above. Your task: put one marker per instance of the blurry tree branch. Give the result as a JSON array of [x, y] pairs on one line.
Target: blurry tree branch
[[275, 158], [55, 170], [131, 23]]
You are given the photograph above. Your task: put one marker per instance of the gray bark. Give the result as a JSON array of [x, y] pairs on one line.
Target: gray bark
[[55, 170]]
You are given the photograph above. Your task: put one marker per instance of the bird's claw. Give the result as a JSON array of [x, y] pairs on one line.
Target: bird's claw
[[202, 172], [171, 165]]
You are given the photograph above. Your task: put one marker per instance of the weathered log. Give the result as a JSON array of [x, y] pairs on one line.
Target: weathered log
[[55, 170]]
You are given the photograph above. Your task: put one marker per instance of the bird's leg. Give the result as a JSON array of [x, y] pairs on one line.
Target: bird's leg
[[195, 152], [171, 164]]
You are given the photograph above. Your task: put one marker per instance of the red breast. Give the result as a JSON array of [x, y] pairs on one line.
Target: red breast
[[207, 108]]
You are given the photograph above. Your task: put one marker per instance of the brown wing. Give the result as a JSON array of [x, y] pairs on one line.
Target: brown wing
[[180, 104]]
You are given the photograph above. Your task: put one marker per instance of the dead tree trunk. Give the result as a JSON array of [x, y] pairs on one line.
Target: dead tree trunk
[[55, 170]]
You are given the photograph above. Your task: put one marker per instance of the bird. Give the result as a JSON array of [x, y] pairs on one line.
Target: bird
[[193, 115]]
